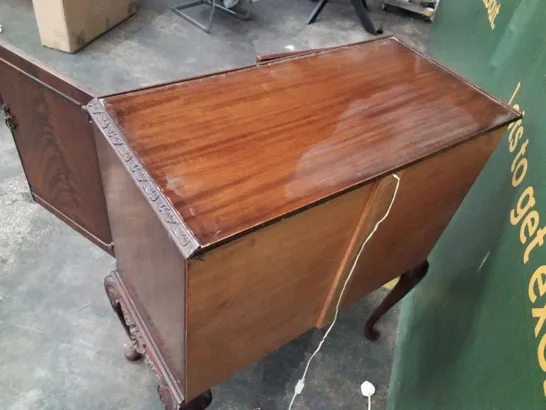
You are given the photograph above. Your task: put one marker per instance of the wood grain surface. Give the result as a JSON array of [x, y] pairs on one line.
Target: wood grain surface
[[243, 148], [430, 193], [147, 260], [55, 143], [251, 296], [44, 75]]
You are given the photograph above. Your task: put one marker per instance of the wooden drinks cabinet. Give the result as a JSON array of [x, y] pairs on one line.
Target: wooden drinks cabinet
[[54, 139], [238, 201]]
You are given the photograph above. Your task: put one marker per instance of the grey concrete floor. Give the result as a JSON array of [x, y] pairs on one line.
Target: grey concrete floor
[[60, 344]]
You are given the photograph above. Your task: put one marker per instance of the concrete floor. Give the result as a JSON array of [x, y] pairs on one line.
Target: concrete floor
[[60, 344]]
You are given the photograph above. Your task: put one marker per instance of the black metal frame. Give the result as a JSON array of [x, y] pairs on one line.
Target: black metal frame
[[361, 9], [213, 4]]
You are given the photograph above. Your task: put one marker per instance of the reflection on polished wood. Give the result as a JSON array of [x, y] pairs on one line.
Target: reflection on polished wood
[[240, 149], [238, 201]]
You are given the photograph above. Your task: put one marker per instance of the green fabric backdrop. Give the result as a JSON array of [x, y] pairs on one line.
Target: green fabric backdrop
[[471, 334]]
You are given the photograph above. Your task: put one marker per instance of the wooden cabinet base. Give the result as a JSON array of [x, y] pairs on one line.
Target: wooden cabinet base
[[142, 346]]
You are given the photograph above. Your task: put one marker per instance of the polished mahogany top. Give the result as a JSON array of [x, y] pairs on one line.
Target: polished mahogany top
[[235, 150]]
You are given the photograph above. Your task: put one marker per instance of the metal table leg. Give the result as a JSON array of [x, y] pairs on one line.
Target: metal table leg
[[360, 7], [213, 4], [316, 11], [178, 11]]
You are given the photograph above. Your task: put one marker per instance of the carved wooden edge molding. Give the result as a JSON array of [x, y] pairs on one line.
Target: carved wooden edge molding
[[171, 219], [168, 389], [128, 322]]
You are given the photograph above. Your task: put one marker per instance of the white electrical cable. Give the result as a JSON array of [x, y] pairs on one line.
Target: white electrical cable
[[368, 391], [301, 382]]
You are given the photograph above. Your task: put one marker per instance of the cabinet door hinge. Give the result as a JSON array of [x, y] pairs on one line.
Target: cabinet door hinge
[[84, 109], [8, 119]]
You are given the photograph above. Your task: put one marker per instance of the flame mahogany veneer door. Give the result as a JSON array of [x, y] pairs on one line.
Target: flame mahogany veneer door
[[55, 143]]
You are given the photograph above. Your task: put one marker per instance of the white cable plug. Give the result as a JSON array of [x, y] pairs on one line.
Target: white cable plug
[[301, 382], [299, 386], [368, 391]]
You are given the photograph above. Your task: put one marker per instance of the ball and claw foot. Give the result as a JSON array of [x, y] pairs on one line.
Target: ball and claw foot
[[131, 353]]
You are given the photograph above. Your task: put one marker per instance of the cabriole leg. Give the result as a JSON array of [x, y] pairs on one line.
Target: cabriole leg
[[408, 280]]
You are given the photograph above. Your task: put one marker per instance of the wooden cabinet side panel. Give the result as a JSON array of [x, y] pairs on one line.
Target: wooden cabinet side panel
[[429, 194], [43, 74], [148, 262], [57, 150], [251, 296]]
